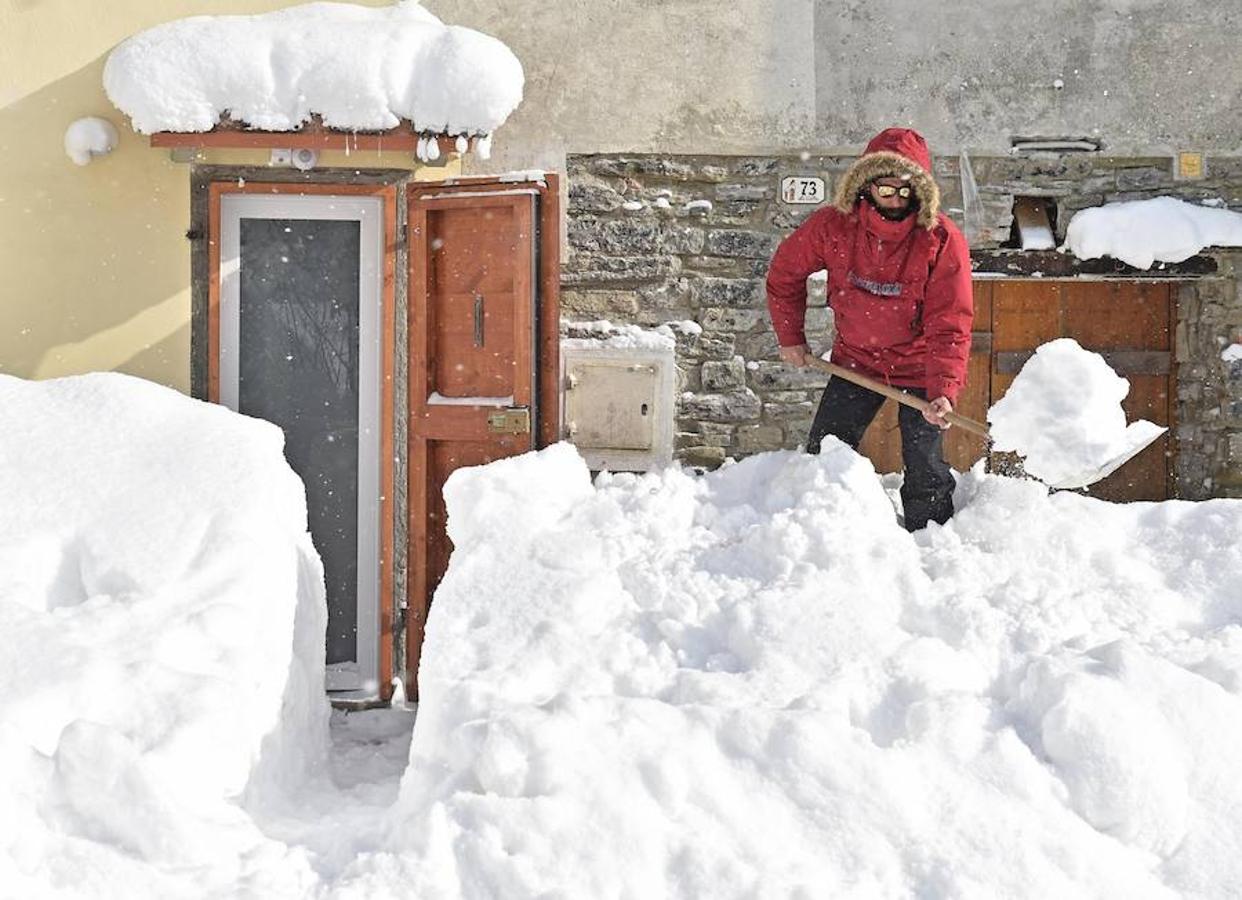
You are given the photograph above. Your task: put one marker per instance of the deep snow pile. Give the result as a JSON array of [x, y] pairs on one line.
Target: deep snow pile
[[358, 68], [755, 683], [1063, 413], [161, 642], [751, 683], [1142, 232]]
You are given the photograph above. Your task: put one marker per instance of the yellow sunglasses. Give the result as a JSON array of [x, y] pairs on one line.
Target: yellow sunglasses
[[887, 190]]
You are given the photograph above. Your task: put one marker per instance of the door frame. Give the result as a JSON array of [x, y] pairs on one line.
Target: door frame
[[375, 652], [544, 356]]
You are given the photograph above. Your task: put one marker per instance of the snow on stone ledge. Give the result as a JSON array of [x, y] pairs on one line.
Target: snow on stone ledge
[[356, 67], [162, 614], [602, 334], [1142, 232]]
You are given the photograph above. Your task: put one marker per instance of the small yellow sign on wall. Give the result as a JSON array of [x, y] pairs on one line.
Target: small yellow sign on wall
[[1189, 165]]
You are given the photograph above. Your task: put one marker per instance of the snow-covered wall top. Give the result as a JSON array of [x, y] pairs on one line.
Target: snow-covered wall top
[[357, 68], [1141, 232]]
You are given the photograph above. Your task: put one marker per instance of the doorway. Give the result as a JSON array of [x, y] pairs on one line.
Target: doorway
[[395, 331], [299, 325]]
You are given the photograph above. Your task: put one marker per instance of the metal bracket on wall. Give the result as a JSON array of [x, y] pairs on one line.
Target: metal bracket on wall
[[185, 154]]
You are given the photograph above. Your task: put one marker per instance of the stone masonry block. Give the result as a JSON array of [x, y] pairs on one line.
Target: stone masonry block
[[593, 196], [702, 457], [724, 375], [759, 438], [599, 304], [744, 192], [737, 406], [741, 293], [760, 345], [717, 319], [622, 237], [777, 376], [745, 244], [587, 268]]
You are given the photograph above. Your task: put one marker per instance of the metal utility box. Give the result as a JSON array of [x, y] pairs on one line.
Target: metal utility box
[[618, 406]]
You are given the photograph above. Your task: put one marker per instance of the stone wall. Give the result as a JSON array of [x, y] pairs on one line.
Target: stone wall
[[656, 239]]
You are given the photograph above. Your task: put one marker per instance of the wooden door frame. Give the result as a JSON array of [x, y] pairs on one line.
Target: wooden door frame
[[546, 361], [387, 193]]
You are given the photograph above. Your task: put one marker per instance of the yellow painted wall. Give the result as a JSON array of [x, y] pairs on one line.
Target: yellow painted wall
[[94, 264]]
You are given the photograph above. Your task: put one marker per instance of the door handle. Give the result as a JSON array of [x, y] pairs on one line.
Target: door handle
[[478, 320]]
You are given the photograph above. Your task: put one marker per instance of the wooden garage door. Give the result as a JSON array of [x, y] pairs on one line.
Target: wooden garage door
[[1129, 322]]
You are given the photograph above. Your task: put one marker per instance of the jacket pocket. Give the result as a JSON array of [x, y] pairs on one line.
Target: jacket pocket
[[869, 319]]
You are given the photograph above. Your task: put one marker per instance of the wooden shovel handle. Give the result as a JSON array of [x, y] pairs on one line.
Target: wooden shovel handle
[[897, 394]]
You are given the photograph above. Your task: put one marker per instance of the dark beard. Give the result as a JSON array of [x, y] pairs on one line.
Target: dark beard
[[893, 215]]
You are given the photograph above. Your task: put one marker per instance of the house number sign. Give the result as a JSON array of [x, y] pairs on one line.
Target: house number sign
[[802, 189]]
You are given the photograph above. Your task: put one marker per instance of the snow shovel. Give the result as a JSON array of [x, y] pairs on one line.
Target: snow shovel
[[1079, 480], [899, 395]]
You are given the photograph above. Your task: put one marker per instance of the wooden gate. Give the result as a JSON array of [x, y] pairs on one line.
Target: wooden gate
[[482, 351], [1129, 322]]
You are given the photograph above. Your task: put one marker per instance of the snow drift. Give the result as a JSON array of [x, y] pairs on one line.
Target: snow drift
[[162, 613], [752, 683], [358, 68], [756, 684]]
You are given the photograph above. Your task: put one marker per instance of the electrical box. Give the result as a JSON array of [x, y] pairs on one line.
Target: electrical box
[[617, 406]]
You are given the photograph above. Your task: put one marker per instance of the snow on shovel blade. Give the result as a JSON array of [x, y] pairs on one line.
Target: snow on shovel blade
[[1063, 414], [1139, 436]]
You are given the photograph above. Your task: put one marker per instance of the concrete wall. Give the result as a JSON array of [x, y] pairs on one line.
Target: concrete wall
[[97, 270], [771, 76]]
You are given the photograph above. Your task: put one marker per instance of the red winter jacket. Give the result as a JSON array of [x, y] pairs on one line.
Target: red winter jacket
[[900, 291]]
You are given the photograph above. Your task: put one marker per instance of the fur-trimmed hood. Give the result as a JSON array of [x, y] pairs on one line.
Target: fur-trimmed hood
[[895, 153]]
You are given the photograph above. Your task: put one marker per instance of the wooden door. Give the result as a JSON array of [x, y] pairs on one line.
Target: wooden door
[[477, 378], [1129, 322]]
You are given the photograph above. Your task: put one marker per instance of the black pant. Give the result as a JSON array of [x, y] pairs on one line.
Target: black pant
[[845, 411]]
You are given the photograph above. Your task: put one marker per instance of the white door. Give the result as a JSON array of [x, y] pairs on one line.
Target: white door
[[300, 312]]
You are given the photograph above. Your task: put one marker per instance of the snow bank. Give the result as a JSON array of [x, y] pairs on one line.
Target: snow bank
[[358, 68], [1141, 232], [756, 684], [161, 668], [1063, 414]]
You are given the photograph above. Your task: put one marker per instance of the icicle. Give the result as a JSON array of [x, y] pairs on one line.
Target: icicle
[[433, 148], [483, 147], [971, 204], [398, 700], [420, 151], [463, 143]]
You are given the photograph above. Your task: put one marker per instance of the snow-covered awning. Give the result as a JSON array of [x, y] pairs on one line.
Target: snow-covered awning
[[352, 68], [1142, 232]]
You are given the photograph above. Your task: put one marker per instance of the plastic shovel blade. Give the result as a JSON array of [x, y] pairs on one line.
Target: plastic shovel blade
[[1138, 437]]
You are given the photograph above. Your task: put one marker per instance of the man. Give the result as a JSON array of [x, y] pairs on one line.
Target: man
[[899, 289]]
